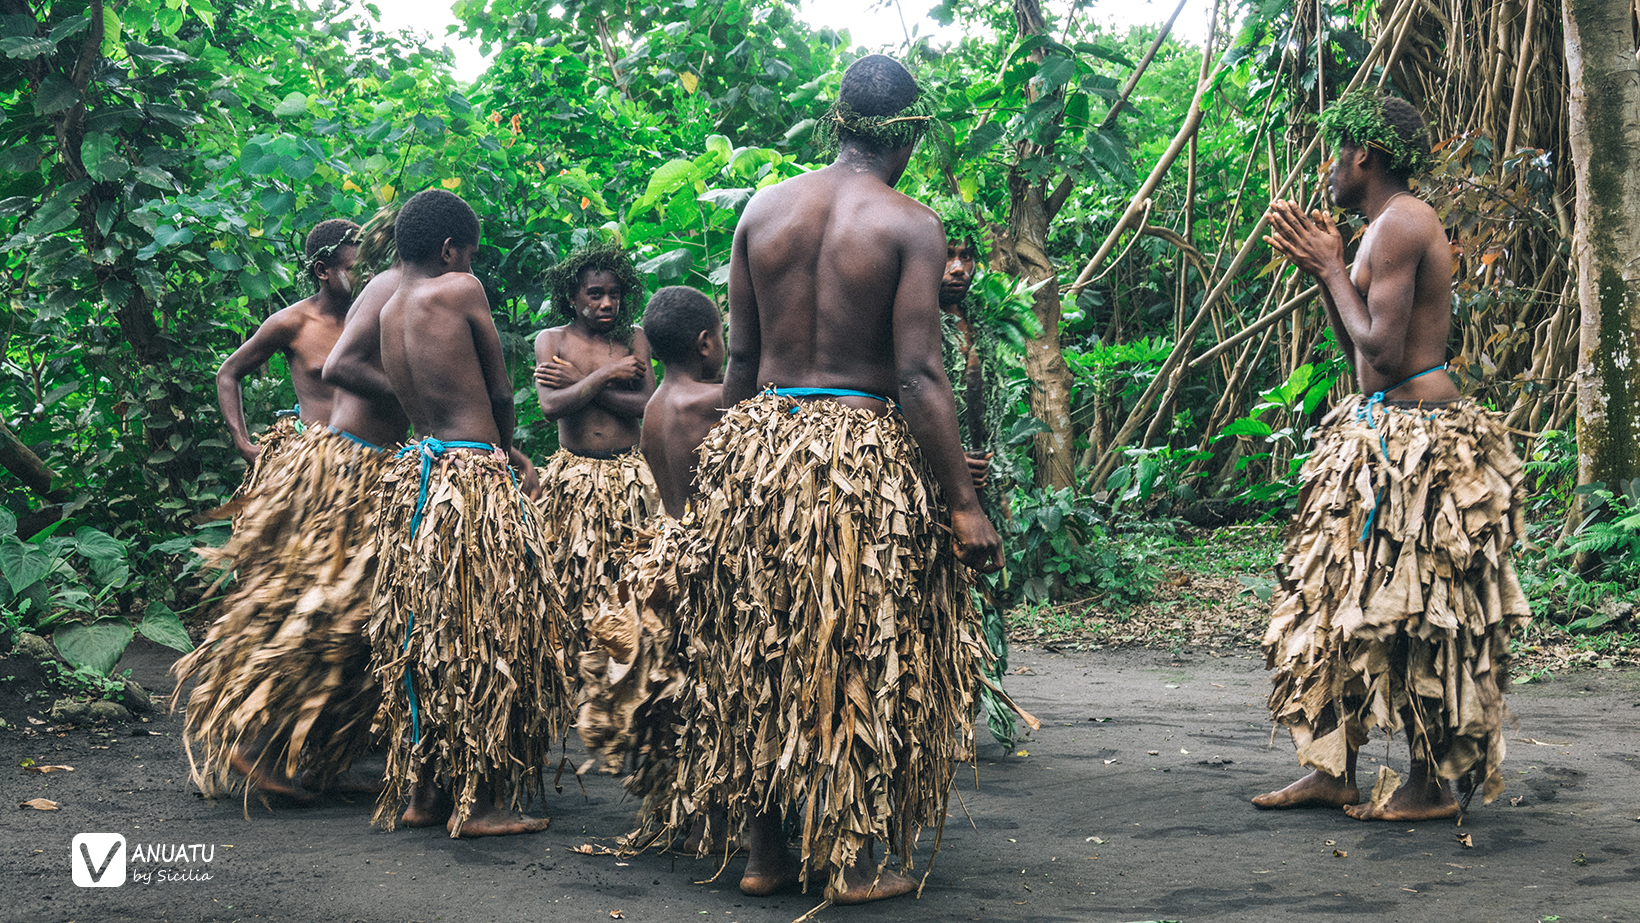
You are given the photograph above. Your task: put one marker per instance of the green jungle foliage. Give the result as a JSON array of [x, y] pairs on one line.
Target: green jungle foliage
[[163, 161]]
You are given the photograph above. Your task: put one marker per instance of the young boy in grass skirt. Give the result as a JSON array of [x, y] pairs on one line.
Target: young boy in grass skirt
[[594, 379], [278, 700], [632, 675], [466, 626], [832, 639], [1398, 592]]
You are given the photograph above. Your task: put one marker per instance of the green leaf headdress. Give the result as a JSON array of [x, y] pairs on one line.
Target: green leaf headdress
[[889, 132], [961, 221], [1358, 118]]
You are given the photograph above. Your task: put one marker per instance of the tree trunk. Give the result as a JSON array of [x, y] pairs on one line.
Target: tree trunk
[[1605, 139], [1024, 254]]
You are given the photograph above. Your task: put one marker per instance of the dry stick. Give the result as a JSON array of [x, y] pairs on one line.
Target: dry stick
[[1182, 347], [1144, 62], [1520, 77], [1253, 329]]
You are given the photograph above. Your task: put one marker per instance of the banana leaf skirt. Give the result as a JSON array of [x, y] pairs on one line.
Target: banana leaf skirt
[[1398, 590], [831, 638]]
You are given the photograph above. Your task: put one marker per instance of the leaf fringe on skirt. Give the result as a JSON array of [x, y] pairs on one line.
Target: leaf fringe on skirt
[[832, 641], [1415, 619], [632, 677], [590, 507], [285, 658], [273, 442], [465, 614]]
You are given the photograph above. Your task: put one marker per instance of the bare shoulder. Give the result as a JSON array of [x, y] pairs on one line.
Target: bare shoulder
[[547, 340], [640, 343]]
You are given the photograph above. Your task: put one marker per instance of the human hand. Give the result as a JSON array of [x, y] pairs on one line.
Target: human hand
[[976, 542], [626, 368], [979, 467], [250, 452], [1311, 241], [556, 373]]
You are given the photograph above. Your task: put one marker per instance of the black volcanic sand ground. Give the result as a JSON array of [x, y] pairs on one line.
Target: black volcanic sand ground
[[1083, 823]]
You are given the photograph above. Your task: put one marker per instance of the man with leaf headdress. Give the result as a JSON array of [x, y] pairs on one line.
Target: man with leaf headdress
[[593, 377], [974, 337], [833, 639], [1398, 593]]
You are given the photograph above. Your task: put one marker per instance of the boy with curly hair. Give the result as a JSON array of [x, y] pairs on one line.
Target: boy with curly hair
[[593, 377]]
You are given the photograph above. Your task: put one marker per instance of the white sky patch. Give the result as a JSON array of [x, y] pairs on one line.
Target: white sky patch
[[872, 24]]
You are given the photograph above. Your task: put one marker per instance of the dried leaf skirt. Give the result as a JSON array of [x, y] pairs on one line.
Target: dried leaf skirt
[[273, 441], [633, 677], [286, 657], [465, 630], [832, 640], [1414, 618], [591, 507]]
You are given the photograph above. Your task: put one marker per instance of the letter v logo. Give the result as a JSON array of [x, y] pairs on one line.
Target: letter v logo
[[99, 860]]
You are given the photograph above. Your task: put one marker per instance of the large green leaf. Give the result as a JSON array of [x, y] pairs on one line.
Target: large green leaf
[[100, 152], [23, 564], [26, 46], [161, 626], [56, 94], [109, 558], [97, 646], [294, 104]]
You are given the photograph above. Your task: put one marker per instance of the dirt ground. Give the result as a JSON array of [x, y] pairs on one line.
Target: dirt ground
[[1130, 804]]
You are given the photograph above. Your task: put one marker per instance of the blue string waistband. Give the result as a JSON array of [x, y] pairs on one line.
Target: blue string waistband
[[355, 439], [827, 392], [1364, 412], [429, 449], [294, 411]]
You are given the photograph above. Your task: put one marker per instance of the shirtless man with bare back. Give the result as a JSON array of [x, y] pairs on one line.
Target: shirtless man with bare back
[[841, 423], [465, 627], [1381, 610], [304, 333]]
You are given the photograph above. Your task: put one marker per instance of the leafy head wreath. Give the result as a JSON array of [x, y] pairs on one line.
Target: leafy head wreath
[[350, 238], [376, 244], [1357, 117], [889, 132], [961, 222]]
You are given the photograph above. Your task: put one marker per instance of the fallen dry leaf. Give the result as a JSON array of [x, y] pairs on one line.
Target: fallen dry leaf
[[1023, 753], [587, 849], [35, 721], [1095, 840], [1467, 841], [1515, 802], [1108, 762], [1540, 743], [39, 804], [1339, 853], [1330, 843], [49, 768], [1388, 781], [1153, 752], [617, 914]]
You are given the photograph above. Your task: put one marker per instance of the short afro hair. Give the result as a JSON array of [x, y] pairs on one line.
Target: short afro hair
[[429, 219], [879, 107], [326, 239], [564, 281], [674, 320]]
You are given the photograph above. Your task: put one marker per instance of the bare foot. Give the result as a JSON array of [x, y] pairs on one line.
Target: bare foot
[[720, 821], [496, 822], [1423, 802], [862, 884], [270, 781], [348, 783], [430, 806], [1314, 790], [770, 873]]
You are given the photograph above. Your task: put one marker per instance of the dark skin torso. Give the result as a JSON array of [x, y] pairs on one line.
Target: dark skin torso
[[1391, 314], [834, 283], [365, 405], [676, 422], [304, 333], [601, 387]]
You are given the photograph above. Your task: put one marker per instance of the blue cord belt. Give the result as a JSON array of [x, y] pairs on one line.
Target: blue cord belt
[[827, 392], [355, 439], [1364, 412]]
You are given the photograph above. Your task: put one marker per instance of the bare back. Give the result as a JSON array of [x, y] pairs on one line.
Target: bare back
[[374, 417], [316, 334], [680, 414], [1406, 256], [824, 254], [440, 350]]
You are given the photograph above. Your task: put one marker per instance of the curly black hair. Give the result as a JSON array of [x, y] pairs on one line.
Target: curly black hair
[[674, 319], [564, 281], [429, 219], [327, 238]]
